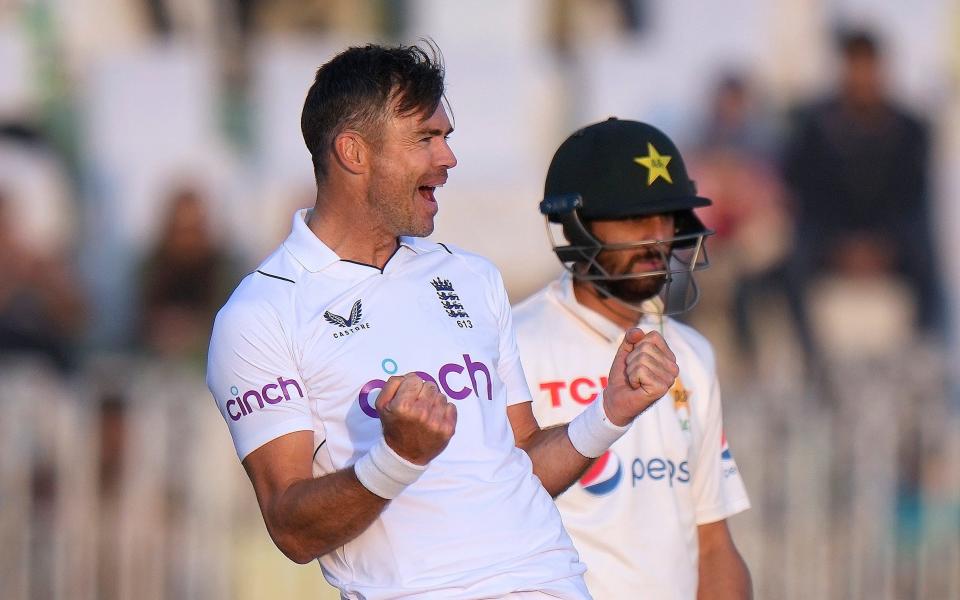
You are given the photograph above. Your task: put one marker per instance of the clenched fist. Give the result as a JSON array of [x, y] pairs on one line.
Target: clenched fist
[[417, 420], [643, 370]]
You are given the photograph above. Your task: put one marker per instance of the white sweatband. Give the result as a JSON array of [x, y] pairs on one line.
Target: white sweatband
[[592, 433], [384, 472]]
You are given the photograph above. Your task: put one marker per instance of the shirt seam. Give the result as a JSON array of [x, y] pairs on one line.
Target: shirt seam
[[265, 436], [721, 511]]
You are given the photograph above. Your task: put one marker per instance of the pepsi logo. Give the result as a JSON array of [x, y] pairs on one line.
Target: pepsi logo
[[726, 457], [603, 476]]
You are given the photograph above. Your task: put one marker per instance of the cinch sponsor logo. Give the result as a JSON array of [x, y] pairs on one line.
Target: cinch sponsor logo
[[582, 390], [452, 378], [659, 469], [272, 393]]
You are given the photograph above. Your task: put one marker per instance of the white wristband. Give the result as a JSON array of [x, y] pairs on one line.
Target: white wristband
[[384, 472], [591, 432]]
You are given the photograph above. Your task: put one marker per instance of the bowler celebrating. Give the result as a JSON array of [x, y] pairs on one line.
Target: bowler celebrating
[[371, 380]]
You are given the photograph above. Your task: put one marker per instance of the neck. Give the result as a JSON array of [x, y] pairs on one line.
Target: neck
[[588, 296], [864, 108], [346, 224]]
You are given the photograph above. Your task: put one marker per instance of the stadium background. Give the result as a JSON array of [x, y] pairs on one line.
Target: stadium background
[[134, 133]]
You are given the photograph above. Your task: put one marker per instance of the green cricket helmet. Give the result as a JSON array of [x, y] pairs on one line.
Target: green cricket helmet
[[619, 169]]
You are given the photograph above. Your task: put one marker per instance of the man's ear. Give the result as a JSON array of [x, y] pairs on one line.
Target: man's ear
[[352, 152]]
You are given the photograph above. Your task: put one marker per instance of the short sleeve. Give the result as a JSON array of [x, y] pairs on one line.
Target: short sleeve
[[508, 367], [253, 377], [717, 488]]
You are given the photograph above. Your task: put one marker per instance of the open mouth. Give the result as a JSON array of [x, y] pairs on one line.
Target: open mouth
[[427, 192]]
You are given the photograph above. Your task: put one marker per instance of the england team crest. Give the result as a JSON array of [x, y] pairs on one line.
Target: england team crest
[[449, 299]]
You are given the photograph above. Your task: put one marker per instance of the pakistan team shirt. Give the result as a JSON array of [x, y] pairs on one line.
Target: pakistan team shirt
[[633, 516], [304, 343]]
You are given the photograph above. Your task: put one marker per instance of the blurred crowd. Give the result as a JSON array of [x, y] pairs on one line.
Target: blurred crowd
[[830, 200], [811, 193], [827, 269]]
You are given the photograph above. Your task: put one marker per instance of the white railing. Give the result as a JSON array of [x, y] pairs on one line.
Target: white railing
[[147, 501]]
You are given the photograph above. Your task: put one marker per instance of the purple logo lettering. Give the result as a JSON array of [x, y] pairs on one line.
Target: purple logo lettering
[[365, 406], [450, 379], [244, 404]]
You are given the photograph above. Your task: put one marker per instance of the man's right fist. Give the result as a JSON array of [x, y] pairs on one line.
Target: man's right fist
[[417, 419], [642, 372]]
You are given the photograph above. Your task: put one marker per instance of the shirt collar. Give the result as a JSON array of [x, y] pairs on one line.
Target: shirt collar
[[306, 247], [314, 255], [562, 291], [418, 245]]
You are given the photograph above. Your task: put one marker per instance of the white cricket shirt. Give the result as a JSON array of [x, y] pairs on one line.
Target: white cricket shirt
[[633, 516], [304, 341]]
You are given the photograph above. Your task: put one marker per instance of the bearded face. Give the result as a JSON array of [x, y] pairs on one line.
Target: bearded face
[[645, 253], [634, 262]]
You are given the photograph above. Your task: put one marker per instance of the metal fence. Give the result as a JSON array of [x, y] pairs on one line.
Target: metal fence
[[856, 499], [123, 484]]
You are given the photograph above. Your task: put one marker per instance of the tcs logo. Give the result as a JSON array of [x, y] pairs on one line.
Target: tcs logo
[[582, 390], [452, 378]]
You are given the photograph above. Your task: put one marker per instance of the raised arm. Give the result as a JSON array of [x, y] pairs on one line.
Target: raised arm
[[306, 516], [310, 516], [642, 371]]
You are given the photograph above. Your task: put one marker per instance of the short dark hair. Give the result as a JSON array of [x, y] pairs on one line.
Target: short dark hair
[[356, 88], [858, 43]]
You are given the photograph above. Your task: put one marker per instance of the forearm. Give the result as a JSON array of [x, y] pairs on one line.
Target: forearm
[[310, 516], [723, 575], [555, 461], [562, 453], [316, 516]]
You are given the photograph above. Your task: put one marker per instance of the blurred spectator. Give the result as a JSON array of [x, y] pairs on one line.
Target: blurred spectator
[[735, 166], [41, 311], [857, 166], [573, 20], [185, 278], [736, 123]]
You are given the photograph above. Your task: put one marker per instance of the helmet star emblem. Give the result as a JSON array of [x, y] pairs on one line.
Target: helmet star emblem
[[656, 165]]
